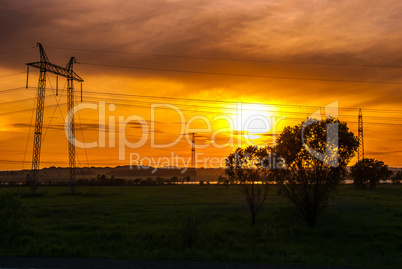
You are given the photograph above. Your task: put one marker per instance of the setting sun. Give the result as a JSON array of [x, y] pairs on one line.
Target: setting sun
[[252, 119]]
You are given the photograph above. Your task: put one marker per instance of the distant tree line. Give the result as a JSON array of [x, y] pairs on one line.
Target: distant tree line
[[103, 180]]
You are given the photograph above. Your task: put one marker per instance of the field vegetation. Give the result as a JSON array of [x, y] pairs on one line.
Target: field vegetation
[[360, 228]]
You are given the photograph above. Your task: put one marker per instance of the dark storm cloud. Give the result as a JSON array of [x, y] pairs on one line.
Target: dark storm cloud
[[158, 25], [341, 32]]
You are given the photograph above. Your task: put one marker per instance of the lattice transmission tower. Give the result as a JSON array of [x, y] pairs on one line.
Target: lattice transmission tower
[[44, 66], [193, 161], [360, 152]]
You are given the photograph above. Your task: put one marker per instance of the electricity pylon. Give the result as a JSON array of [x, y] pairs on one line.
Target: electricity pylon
[[193, 162], [360, 152], [44, 65]]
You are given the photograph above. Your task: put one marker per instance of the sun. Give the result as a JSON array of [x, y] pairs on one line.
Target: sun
[[252, 119]]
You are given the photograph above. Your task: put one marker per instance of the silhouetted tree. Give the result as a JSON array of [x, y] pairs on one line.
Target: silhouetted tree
[[245, 167], [397, 178], [187, 178], [149, 181], [220, 180], [159, 180], [174, 179], [369, 171], [308, 181]]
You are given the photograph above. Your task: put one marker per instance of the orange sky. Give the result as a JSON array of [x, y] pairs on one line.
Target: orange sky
[[269, 39]]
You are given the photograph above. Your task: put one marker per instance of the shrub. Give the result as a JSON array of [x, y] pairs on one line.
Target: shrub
[[190, 226], [12, 216]]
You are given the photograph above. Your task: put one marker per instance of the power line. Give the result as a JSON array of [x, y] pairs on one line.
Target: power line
[[82, 132], [133, 105], [54, 111], [14, 74], [232, 102], [11, 51], [243, 75], [17, 101], [235, 109], [14, 89], [203, 106], [221, 101], [23, 110], [231, 59], [29, 132]]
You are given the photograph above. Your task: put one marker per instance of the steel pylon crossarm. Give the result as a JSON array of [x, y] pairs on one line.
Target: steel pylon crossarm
[[58, 70]]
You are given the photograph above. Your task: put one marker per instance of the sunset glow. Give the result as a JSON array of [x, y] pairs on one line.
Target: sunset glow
[[277, 59]]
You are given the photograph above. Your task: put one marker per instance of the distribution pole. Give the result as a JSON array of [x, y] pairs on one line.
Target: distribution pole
[[44, 66], [360, 153]]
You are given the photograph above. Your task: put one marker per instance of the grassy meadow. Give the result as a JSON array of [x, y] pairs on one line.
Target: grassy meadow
[[360, 228]]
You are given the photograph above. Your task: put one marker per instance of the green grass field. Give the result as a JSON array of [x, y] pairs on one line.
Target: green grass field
[[359, 228]]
